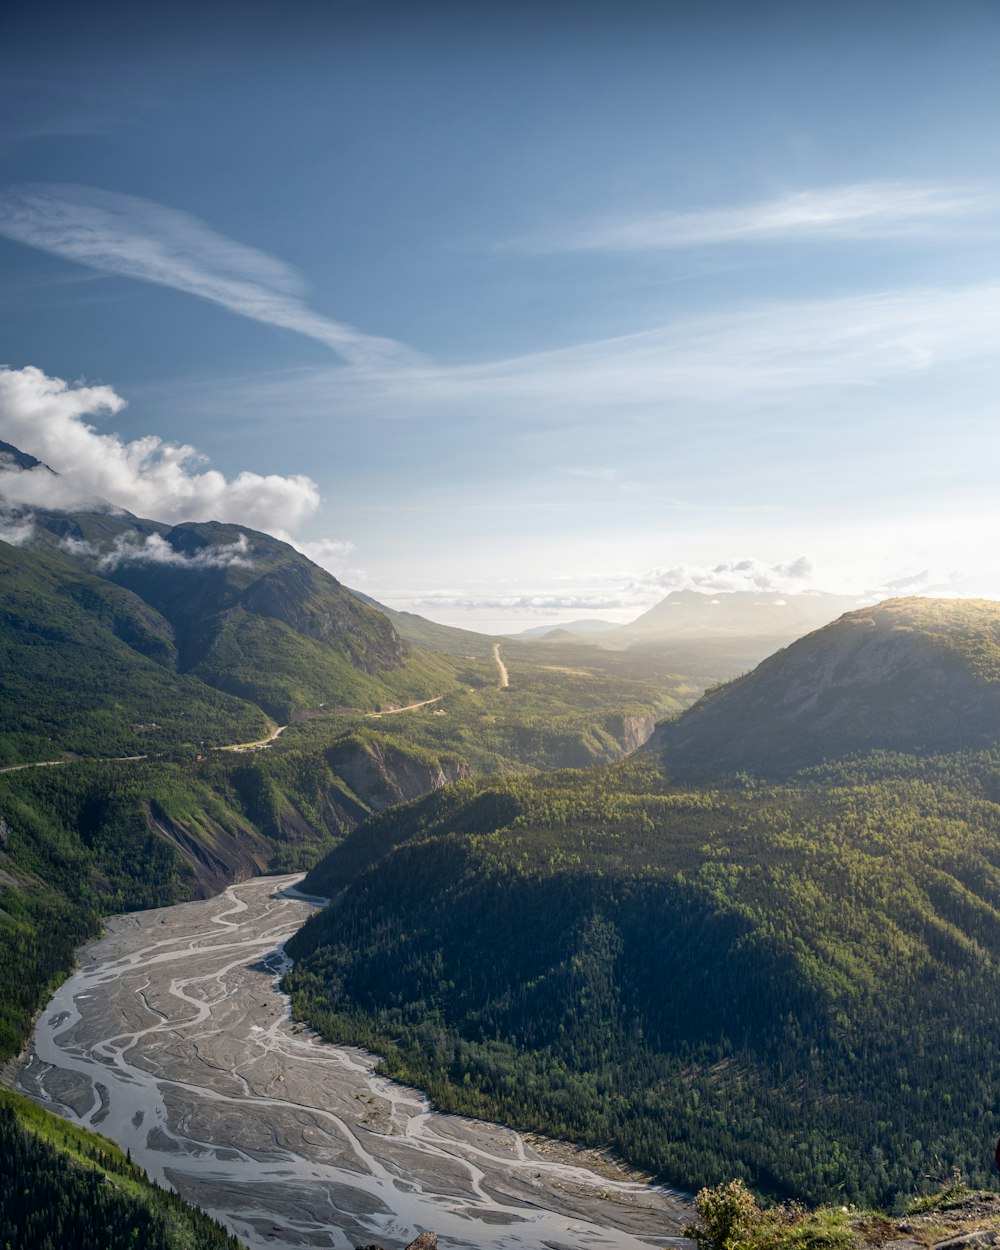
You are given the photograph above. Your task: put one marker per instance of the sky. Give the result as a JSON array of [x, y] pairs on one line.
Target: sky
[[522, 313]]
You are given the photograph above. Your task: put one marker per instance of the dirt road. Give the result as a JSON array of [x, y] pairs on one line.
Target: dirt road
[[410, 707]]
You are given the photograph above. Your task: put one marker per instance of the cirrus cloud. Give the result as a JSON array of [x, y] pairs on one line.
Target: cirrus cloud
[[861, 210], [137, 238]]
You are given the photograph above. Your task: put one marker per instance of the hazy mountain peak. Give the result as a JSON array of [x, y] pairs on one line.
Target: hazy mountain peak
[[770, 614], [904, 675]]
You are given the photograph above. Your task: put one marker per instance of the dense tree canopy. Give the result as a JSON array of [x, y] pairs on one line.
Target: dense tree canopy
[[788, 983]]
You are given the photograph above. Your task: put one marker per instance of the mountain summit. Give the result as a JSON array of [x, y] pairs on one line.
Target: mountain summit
[[733, 613], [905, 675], [113, 623]]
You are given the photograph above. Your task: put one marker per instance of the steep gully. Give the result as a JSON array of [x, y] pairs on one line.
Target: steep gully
[[173, 1039]]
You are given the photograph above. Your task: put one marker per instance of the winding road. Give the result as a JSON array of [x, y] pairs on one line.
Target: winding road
[[501, 667], [273, 736], [173, 1039], [410, 707], [113, 759]]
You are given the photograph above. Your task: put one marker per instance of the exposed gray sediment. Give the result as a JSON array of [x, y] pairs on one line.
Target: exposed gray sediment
[[173, 1039]]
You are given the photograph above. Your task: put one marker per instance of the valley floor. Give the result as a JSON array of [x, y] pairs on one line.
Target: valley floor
[[173, 1039]]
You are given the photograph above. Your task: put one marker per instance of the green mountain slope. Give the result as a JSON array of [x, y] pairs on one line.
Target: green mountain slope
[[146, 645], [87, 667], [251, 616], [239, 610], [790, 984], [62, 1186], [424, 633], [909, 674], [122, 637], [795, 982]]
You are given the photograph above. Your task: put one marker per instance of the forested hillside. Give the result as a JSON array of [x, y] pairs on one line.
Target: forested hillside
[[238, 611], [61, 1186], [698, 955], [86, 668], [85, 838], [789, 980], [134, 651], [791, 984]]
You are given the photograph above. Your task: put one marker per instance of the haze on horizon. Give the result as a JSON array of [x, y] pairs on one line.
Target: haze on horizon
[[518, 314]]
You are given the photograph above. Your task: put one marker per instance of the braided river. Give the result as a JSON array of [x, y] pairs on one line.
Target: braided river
[[173, 1038]]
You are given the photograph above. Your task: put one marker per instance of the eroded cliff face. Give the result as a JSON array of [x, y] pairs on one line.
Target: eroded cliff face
[[384, 775], [216, 856], [633, 732], [267, 827]]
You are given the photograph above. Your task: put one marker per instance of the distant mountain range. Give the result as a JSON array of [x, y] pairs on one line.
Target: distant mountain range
[[577, 629], [694, 615], [752, 614]]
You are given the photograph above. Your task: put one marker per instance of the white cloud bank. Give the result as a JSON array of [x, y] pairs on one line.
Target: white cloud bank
[[152, 478], [540, 604], [623, 592], [746, 574], [153, 549], [136, 238], [865, 210]]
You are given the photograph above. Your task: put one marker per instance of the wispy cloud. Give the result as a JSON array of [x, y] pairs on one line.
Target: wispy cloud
[[136, 238], [334, 555], [15, 529], [864, 210], [790, 348], [44, 108]]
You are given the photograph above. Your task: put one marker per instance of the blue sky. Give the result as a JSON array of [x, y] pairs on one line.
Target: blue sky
[[526, 312]]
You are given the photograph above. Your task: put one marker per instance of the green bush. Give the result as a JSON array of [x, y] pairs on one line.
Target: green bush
[[729, 1218]]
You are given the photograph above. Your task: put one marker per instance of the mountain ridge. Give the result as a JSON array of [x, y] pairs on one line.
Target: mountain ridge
[[906, 674]]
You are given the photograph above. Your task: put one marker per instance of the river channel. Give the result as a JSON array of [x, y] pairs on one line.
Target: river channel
[[173, 1039]]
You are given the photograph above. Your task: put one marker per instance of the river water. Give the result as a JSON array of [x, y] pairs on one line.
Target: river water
[[174, 1040]]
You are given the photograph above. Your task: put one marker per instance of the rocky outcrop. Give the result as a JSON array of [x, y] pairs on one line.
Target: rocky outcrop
[[426, 1241], [958, 1219], [633, 732]]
